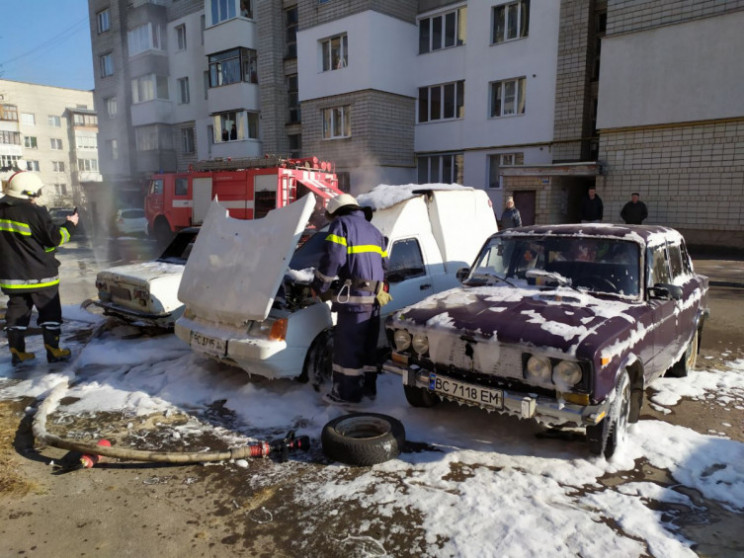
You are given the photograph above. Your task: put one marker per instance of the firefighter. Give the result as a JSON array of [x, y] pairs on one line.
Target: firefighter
[[355, 252], [28, 268]]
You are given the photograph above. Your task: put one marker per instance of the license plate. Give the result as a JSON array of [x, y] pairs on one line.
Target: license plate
[[480, 395], [207, 344]]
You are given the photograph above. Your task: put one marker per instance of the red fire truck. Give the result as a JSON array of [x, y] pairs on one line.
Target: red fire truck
[[248, 188]]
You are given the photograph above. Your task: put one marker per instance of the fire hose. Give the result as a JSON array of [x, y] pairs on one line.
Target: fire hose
[[90, 452]]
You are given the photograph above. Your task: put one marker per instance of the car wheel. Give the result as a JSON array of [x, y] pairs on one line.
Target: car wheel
[[363, 438], [606, 437], [319, 361], [420, 397], [163, 234], [686, 363]]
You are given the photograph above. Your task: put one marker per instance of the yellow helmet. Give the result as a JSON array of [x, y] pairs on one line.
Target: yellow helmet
[[24, 185]]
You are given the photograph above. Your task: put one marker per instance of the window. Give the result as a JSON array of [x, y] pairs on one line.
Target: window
[[235, 125], [85, 120], [246, 8], [106, 65], [103, 21], [233, 66], [150, 36], [86, 141], [10, 138], [56, 143], [156, 186], [507, 97], [187, 140], [32, 165], [181, 37], [112, 107], [291, 19], [222, 10], [446, 169], [335, 52], [113, 149], [294, 99], [55, 121], [442, 102], [153, 137], [183, 91], [30, 142], [28, 119], [60, 189], [58, 166], [405, 261], [90, 165], [295, 145], [337, 122], [495, 162], [443, 30], [206, 84], [149, 87], [182, 184], [659, 269], [9, 112], [202, 27], [510, 21]]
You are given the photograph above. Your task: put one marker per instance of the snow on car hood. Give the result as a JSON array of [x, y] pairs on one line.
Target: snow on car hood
[[140, 273], [236, 265]]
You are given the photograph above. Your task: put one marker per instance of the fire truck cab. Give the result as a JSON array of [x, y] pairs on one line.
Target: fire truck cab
[[249, 188]]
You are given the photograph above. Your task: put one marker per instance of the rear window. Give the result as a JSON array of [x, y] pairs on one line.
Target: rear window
[[133, 214]]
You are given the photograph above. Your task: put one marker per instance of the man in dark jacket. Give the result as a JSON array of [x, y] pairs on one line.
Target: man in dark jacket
[[634, 212], [28, 268], [592, 209], [511, 217], [355, 252]]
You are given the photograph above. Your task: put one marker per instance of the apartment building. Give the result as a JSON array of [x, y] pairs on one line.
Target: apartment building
[[53, 131]]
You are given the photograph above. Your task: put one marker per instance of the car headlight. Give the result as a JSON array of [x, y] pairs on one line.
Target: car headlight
[[566, 374], [420, 343], [402, 339], [274, 329], [538, 369]]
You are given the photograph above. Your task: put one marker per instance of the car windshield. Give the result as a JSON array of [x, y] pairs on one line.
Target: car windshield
[[593, 264], [309, 253], [179, 249]]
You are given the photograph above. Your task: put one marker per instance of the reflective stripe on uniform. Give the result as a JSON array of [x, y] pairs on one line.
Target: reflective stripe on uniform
[[15, 227], [347, 371], [366, 248], [337, 239], [20, 284], [65, 235], [355, 299]]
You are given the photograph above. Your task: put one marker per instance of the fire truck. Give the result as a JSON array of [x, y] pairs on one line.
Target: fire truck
[[248, 188]]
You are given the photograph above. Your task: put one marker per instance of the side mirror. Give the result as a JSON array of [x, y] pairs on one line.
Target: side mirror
[[666, 291], [462, 274]]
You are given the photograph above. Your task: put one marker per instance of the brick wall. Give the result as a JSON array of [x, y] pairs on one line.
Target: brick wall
[[311, 13], [637, 15]]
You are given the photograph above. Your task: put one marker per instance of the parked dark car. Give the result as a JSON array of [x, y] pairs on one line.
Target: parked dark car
[[564, 324]]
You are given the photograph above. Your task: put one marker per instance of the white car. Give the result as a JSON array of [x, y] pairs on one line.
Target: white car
[[146, 292], [248, 300], [131, 221]]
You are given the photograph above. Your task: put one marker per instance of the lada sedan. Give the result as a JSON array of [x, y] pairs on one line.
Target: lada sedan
[[563, 324]]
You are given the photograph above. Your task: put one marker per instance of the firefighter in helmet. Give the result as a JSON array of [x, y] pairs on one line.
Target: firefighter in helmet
[[355, 252], [28, 268]]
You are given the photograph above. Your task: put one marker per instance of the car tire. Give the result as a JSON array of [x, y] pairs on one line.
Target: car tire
[[163, 234], [318, 365], [363, 439], [420, 397], [604, 438], [686, 363]]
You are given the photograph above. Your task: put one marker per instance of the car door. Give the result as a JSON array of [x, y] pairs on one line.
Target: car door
[[407, 274], [664, 310]]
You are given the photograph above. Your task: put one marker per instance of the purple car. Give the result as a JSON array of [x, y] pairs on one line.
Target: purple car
[[564, 324]]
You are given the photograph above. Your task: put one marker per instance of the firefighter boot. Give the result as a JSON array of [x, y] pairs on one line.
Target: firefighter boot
[[51, 343], [17, 344]]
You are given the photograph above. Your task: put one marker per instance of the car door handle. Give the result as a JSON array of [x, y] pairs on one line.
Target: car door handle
[[424, 286]]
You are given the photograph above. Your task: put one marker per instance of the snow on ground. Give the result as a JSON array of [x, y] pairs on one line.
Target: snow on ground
[[485, 485]]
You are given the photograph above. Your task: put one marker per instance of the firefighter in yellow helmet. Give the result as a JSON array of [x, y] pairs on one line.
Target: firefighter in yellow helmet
[[28, 268]]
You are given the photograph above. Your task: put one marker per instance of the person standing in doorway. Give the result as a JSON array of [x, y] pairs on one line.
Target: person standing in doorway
[[592, 209], [355, 252], [511, 217], [28, 268], [634, 212]]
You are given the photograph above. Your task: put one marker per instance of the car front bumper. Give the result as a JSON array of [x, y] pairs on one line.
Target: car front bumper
[[166, 319], [546, 410]]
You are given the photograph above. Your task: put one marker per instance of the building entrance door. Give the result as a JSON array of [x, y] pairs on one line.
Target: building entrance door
[[524, 200]]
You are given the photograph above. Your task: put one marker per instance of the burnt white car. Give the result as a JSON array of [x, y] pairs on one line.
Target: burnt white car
[[146, 292], [562, 324]]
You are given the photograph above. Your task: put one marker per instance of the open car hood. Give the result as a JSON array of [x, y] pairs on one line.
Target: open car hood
[[237, 266]]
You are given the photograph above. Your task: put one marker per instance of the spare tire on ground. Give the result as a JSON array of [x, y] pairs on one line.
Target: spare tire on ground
[[363, 438]]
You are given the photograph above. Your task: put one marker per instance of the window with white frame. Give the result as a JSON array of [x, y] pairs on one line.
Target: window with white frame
[[153, 137], [55, 121], [112, 106], [183, 91], [188, 145], [335, 52], [9, 137], [148, 88], [222, 10], [113, 149], [9, 161], [441, 102], [337, 122], [88, 165], [150, 36], [60, 189], [233, 66], [32, 165], [499, 160], [106, 65], [56, 143], [442, 30], [181, 36], [104, 24], [79, 119], [447, 169], [86, 141], [30, 142], [58, 166], [510, 21], [508, 97], [235, 125], [28, 119]]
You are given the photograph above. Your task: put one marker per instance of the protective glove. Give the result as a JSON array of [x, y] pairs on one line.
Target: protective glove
[[383, 297]]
